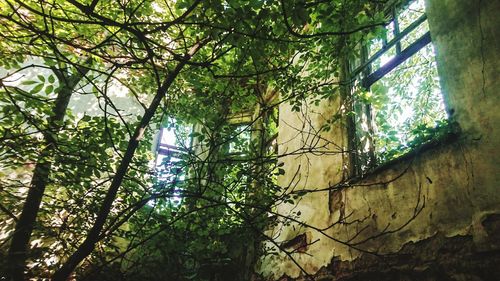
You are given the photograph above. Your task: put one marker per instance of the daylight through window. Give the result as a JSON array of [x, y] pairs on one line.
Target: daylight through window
[[172, 146], [398, 101]]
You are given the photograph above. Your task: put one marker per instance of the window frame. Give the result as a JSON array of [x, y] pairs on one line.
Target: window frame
[[167, 149], [364, 75], [177, 174], [371, 76]]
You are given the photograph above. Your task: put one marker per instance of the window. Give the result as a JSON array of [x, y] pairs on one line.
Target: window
[[172, 145], [172, 159], [239, 141], [397, 98]]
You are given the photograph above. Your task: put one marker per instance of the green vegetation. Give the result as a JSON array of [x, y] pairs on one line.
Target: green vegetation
[[404, 108], [80, 193]]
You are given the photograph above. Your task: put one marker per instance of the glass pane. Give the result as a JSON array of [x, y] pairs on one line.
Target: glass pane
[[175, 135], [411, 13], [168, 137], [390, 31], [414, 35], [383, 59], [169, 164], [355, 56], [170, 172], [240, 141], [406, 100], [375, 46], [169, 168]]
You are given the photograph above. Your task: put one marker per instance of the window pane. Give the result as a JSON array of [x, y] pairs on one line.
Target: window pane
[[168, 137], [384, 58], [240, 140], [175, 135], [414, 35], [375, 46], [390, 31], [405, 100], [170, 172], [410, 14], [170, 164], [355, 56]]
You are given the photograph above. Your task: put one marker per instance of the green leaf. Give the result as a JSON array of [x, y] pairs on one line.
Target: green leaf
[[49, 89], [29, 82], [36, 89], [49, 62]]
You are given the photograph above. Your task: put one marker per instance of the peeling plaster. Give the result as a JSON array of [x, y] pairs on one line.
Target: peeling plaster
[[452, 187]]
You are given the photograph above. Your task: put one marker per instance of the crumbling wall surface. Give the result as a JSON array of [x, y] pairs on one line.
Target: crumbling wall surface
[[433, 215], [312, 159], [437, 258]]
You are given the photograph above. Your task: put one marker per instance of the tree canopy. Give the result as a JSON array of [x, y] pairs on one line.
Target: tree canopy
[[82, 193]]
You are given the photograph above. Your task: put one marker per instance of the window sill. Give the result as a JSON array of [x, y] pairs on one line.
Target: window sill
[[444, 140]]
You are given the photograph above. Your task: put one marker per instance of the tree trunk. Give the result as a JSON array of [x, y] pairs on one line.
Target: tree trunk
[[92, 238], [24, 227]]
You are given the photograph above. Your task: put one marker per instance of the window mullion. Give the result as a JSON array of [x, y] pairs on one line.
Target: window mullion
[[389, 45], [397, 60], [396, 30]]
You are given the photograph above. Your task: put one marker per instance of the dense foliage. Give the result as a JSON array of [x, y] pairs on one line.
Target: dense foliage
[[85, 86]]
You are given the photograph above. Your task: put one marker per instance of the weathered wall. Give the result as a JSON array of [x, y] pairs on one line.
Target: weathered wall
[[312, 159], [436, 210]]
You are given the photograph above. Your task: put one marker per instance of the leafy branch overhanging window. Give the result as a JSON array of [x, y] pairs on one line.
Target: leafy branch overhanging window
[[397, 98], [175, 142], [171, 149]]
